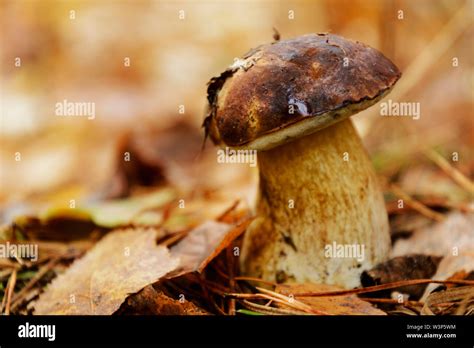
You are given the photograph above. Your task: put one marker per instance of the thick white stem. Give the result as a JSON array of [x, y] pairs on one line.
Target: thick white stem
[[320, 214]]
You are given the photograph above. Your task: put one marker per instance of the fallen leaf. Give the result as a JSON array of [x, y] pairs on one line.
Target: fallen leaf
[[453, 264], [150, 301], [224, 243], [402, 268], [59, 228], [59, 223], [122, 263], [451, 295], [453, 239], [333, 305], [449, 266], [193, 214], [456, 233], [196, 247], [135, 210]]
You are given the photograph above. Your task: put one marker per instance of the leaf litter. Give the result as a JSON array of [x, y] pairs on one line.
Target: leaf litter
[[122, 263], [186, 264], [333, 305]]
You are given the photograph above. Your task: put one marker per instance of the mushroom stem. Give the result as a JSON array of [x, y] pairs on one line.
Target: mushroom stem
[[320, 214]]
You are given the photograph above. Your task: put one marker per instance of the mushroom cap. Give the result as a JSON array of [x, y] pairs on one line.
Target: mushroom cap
[[291, 88]]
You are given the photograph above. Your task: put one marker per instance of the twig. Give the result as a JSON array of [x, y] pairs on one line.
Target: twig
[[270, 310], [292, 304], [223, 216], [207, 296], [230, 262], [19, 260], [464, 304], [9, 292], [220, 272], [5, 273], [6, 263], [216, 287], [4, 299], [453, 294], [392, 206], [419, 207], [268, 304], [295, 304], [391, 301], [383, 287], [287, 300], [38, 276], [220, 310], [455, 174]]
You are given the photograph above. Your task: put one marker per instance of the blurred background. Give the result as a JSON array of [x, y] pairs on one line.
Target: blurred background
[[145, 65]]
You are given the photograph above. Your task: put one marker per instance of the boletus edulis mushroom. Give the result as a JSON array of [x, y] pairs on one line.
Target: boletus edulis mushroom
[[320, 214]]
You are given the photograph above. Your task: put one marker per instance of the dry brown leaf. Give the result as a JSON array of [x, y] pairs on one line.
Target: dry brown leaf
[[453, 239], [150, 301], [449, 266], [333, 305], [122, 263], [402, 268], [452, 295], [198, 246], [224, 243]]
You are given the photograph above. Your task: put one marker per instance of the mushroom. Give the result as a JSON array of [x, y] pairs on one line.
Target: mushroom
[[320, 215]]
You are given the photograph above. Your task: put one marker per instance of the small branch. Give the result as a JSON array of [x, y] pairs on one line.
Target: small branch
[[269, 310], [290, 301], [223, 216], [416, 205], [38, 276], [9, 292], [391, 301], [280, 299], [384, 287], [230, 268], [455, 174]]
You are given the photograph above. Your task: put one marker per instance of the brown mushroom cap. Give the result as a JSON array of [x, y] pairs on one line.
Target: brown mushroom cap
[[291, 88]]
